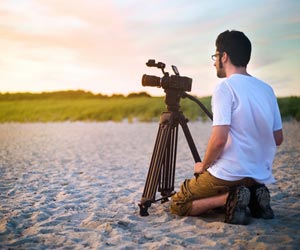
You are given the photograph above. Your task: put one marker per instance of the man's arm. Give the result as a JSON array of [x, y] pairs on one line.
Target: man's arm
[[278, 137], [216, 143]]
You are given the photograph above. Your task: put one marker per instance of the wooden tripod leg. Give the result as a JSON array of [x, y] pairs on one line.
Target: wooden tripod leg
[[155, 168]]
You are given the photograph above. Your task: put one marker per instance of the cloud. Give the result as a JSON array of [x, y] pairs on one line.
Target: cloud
[[91, 36], [103, 45]]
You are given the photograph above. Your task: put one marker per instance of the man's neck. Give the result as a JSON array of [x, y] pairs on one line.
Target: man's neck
[[236, 70]]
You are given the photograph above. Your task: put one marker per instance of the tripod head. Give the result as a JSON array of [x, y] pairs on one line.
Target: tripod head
[[174, 85]]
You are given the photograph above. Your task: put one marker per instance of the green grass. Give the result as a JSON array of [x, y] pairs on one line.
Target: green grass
[[85, 106], [290, 107], [115, 109]]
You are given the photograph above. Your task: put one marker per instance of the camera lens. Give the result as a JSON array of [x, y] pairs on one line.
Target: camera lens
[[148, 80]]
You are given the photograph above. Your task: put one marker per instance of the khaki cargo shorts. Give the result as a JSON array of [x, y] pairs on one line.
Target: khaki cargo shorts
[[204, 186]]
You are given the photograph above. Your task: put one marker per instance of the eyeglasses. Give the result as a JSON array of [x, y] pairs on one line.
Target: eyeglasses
[[214, 57]]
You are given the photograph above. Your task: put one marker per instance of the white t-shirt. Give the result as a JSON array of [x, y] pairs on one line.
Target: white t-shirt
[[250, 107]]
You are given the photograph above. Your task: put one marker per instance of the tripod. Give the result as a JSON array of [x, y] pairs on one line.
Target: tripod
[[161, 173]]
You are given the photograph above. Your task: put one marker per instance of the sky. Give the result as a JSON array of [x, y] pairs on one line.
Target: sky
[[102, 45]]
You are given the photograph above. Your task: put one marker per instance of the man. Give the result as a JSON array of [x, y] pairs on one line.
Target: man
[[246, 129]]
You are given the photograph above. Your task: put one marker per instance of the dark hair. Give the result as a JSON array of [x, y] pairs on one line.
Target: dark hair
[[236, 45]]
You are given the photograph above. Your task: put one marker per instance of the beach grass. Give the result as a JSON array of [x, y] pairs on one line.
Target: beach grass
[[85, 106]]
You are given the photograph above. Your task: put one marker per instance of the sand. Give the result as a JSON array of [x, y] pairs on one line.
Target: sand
[[77, 186]]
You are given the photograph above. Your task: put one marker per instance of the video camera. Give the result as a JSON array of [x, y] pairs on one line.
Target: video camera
[[175, 82]]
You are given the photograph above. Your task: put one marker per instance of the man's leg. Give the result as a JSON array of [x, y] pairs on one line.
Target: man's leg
[[204, 187], [203, 205], [201, 194]]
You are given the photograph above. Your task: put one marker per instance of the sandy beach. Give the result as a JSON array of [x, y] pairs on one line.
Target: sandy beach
[[77, 186]]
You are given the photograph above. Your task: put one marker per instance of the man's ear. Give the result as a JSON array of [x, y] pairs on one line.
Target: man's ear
[[225, 57]]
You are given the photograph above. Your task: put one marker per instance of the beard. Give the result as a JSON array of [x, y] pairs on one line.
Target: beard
[[220, 70]]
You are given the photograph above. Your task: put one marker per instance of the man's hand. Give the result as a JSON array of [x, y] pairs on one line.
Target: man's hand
[[199, 168], [216, 144]]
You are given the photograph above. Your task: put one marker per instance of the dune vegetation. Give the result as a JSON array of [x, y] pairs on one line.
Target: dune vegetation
[[86, 106]]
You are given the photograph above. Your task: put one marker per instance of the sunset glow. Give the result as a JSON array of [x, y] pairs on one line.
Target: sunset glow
[[102, 46]]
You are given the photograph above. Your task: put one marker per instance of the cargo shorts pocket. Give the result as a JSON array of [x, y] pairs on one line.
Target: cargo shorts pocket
[[182, 200]]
